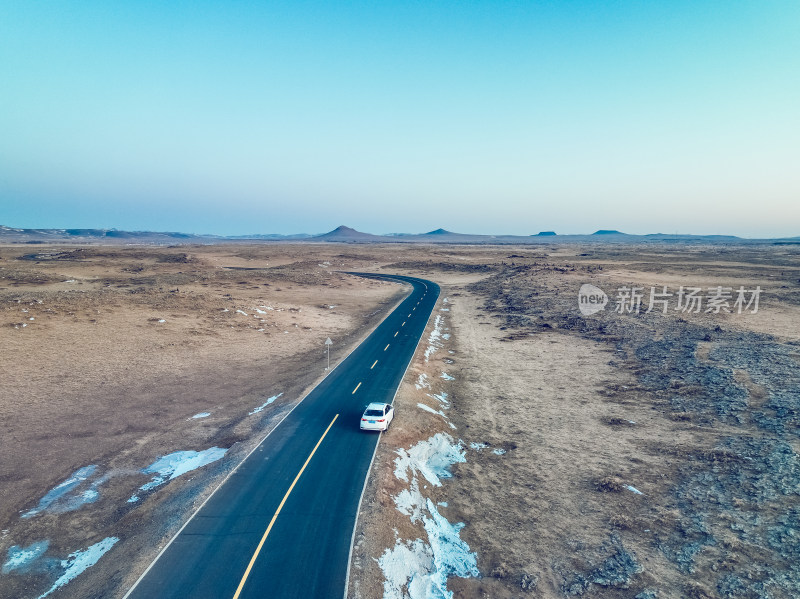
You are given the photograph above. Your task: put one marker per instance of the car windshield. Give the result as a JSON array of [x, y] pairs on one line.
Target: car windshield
[[374, 413]]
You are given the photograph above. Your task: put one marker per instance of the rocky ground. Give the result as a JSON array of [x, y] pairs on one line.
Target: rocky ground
[[642, 454]]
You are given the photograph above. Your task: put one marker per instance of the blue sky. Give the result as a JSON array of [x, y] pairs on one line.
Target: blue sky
[[484, 117]]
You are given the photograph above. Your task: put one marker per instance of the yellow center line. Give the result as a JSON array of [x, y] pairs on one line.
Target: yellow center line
[[278, 511], [404, 324], [409, 315], [396, 333], [356, 389], [373, 365], [414, 308], [387, 346]]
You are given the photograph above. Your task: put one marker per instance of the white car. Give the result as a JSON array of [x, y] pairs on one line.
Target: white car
[[377, 417]]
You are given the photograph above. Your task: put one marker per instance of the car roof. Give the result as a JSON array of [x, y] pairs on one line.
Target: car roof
[[376, 406]]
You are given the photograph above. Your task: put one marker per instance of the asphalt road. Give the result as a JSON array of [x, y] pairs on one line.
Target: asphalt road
[[281, 526]]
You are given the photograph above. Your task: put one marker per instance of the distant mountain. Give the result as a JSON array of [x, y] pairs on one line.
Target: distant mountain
[[346, 234], [33, 235], [608, 232], [445, 236], [437, 236]]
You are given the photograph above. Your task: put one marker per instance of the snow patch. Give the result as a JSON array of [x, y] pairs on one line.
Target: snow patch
[[242, 312], [79, 561], [21, 558], [633, 490], [499, 451], [422, 382], [423, 568], [451, 555], [447, 377], [478, 446], [66, 496], [441, 398], [265, 404], [202, 415], [155, 482], [432, 459], [175, 464], [407, 563], [438, 413], [431, 410], [410, 502], [90, 496], [434, 339]]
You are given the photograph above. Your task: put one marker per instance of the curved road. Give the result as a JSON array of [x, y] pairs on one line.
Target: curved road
[[280, 527]]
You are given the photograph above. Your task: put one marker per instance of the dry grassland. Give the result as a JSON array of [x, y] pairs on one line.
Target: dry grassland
[[700, 413], [108, 353]]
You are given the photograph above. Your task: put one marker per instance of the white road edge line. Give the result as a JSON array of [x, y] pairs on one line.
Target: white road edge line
[[375, 451], [224, 480]]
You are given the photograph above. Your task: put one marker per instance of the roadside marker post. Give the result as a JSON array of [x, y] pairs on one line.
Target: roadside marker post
[[328, 344]]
